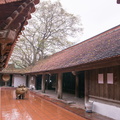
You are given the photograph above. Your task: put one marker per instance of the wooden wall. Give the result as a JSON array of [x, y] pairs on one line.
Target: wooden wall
[[105, 90]]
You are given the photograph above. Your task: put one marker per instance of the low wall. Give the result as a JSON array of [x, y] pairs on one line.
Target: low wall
[[107, 110]]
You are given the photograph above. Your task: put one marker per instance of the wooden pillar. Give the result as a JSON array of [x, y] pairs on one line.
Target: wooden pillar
[[43, 83], [86, 86], [77, 86], [56, 84], [27, 80], [35, 81], [60, 75], [76, 83]]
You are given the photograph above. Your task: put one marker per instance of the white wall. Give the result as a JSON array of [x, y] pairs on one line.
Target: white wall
[[107, 110], [19, 80]]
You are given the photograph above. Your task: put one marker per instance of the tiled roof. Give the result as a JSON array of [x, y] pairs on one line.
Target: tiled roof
[[102, 46], [14, 15], [12, 69], [7, 1]]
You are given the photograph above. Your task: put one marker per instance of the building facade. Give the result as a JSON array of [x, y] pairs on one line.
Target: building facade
[[89, 70]]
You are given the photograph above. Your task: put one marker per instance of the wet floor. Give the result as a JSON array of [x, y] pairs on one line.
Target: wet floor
[[31, 108]]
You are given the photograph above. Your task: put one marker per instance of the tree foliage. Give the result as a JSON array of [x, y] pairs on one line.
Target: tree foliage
[[47, 33]]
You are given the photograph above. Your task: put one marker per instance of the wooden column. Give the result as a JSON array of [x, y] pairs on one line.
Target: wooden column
[[76, 83], [35, 82], [43, 83], [27, 80], [76, 86], [86, 86], [60, 75], [56, 84]]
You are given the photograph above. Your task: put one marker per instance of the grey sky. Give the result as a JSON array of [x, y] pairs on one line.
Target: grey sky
[[97, 15]]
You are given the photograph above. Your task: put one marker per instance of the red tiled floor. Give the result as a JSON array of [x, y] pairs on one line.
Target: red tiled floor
[[78, 110], [32, 107]]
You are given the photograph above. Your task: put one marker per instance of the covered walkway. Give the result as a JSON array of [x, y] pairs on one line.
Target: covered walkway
[[31, 108], [37, 106], [67, 98]]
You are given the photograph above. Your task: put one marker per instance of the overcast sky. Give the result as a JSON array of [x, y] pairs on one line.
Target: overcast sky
[[96, 15]]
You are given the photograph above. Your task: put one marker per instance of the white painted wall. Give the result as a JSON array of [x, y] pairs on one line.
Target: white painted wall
[[107, 110], [19, 80]]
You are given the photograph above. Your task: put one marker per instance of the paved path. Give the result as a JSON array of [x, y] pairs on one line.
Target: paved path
[[76, 108], [32, 107]]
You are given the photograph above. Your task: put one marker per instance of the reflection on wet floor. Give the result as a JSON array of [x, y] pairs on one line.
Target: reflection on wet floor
[[32, 107]]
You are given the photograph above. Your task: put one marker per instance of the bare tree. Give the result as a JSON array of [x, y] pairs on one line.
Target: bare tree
[[46, 34]]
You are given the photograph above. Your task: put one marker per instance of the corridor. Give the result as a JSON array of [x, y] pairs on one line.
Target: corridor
[[31, 108]]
